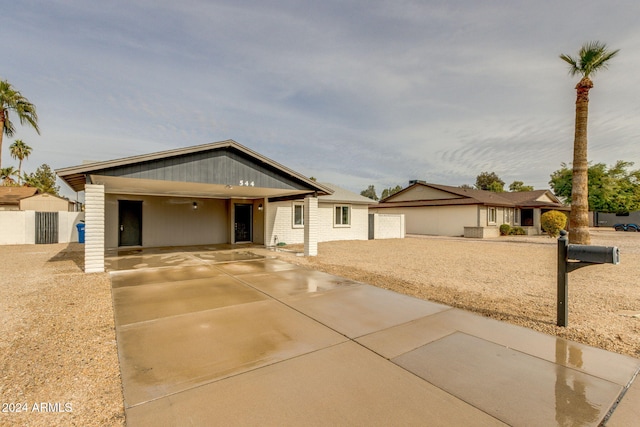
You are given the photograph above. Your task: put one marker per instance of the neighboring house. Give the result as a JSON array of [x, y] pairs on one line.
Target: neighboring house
[[214, 193], [10, 197], [30, 199], [342, 215], [443, 210]]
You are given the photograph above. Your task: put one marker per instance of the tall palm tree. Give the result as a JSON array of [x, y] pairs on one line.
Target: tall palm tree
[[19, 150], [12, 100], [7, 174], [592, 57]]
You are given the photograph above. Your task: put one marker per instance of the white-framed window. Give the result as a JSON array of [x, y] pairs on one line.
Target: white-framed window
[[516, 217], [492, 216], [297, 215], [342, 217], [508, 215]]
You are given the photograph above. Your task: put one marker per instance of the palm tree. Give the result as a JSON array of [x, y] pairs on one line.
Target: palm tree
[[12, 100], [19, 150], [592, 57], [7, 174]]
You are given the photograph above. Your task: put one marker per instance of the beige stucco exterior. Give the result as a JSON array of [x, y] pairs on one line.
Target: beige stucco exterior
[[172, 221], [436, 220], [45, 203], [424, 193]]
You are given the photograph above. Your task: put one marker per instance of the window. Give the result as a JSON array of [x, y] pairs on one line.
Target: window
[[508, 215], [343, 216], [492, 216], [298, 215], [516, 217]]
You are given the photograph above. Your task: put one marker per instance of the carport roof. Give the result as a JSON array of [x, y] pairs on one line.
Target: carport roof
[[219, 169]]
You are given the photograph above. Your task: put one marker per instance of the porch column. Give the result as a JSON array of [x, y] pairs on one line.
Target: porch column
[[94, 228], [537, 213], [310, 226]]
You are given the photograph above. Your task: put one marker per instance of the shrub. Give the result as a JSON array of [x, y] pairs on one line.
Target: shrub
[[552, 222], [505, 229], [518, 231]]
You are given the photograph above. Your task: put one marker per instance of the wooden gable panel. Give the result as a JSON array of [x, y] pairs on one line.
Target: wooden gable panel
[[222, 166]]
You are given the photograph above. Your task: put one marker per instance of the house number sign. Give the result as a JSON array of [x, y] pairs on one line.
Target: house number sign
[[246, 183]]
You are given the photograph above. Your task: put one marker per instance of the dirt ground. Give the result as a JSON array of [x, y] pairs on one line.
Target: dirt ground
[[513, 279], [58, 354]]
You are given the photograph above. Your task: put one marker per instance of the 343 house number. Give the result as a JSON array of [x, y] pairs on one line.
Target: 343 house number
[[246, 183]]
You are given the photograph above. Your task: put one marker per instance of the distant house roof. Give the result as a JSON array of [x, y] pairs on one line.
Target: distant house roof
[[340, 195], [469, 196], [13, 195]]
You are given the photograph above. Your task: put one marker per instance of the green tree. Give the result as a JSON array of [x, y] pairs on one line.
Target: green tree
[[615, 189], [19, 150], [592, 57], [370, 192], [519, 186], [12, 100], [489, 181], [7, 174], [388, 192], [43, 179]]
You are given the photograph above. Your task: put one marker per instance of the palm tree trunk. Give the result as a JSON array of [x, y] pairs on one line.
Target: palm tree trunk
[[2, 118], [579, 217]]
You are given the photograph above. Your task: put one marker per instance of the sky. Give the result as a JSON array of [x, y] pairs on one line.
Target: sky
[[351, 92]]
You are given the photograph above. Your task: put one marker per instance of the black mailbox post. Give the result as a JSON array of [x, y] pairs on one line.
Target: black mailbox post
[[572, 257]]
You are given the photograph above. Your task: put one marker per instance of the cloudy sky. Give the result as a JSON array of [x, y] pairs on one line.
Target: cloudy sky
[[354, 92]]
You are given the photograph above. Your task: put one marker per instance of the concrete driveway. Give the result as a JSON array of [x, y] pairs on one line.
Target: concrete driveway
[[227, 337]]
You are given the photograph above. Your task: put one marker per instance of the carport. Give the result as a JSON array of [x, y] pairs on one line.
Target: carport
[[206, 194]]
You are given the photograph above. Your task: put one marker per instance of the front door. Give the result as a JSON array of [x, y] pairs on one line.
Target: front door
[[130, 223], [243, 220]]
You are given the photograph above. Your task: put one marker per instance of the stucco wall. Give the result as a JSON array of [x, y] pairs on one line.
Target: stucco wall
[[280, 224], [44, 203], [19, 228], [436, 220], [172, 221]]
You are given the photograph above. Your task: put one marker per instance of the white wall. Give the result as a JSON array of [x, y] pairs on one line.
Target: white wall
[[388, 226], [436, 220], [172, 221], [19, 227], [280, 224]]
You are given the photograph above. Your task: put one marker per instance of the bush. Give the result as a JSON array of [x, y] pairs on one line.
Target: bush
[[505, 229], [518, 231], [552, 222]]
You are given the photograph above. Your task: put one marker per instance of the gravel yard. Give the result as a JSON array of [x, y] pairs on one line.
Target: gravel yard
[[58, 355]]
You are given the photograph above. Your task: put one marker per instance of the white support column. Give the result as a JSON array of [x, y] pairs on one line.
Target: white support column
[[537, 214], [94, 228], [310, 226]]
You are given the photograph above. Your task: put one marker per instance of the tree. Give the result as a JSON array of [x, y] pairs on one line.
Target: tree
[[467, 187], [615, 189], [370, 192], [43, 179], [592, 57], [519, 186], [388, 192], [7, 174], [12, 100], [489, 182], [19, 150]]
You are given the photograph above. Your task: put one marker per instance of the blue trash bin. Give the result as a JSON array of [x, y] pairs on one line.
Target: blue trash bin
[[80, 227]]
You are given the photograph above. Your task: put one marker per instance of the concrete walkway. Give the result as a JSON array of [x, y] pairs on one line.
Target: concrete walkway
[[231, 338]]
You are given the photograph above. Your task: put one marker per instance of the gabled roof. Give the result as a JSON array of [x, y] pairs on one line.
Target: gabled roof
[[202, 165], [13, 195], [469, 196], [341, 195]]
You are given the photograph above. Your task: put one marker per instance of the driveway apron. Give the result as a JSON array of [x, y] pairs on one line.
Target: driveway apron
[[228, 337]]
